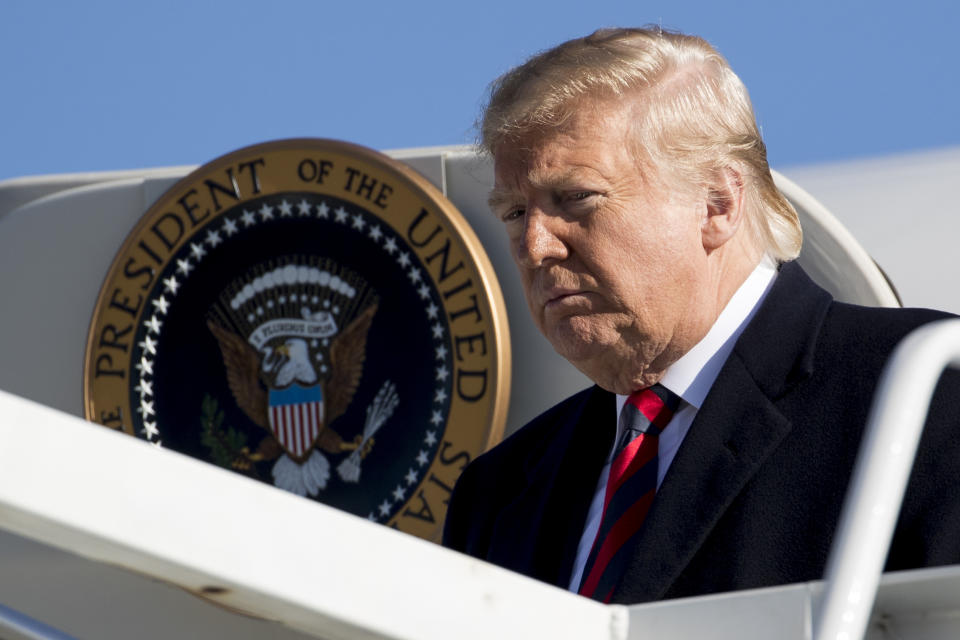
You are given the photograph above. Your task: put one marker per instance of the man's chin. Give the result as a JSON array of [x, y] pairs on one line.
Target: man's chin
[[601, 357], [579, 350]]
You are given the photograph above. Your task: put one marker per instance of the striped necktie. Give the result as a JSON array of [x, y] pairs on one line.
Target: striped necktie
[[630, 487]]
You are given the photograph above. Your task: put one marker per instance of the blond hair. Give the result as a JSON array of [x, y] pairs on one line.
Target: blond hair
[[695, 116]]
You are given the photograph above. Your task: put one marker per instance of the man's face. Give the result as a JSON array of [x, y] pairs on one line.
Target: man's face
[[611, 258]]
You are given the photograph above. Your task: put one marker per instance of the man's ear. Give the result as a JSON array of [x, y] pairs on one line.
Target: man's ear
[[725, 208]]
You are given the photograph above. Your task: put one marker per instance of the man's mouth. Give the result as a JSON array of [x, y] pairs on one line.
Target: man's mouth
[[557, 296]]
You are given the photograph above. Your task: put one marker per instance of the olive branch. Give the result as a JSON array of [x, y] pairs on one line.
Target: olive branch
[[225, 444]]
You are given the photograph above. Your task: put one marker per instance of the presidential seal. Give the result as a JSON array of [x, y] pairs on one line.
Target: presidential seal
[[311, 314]]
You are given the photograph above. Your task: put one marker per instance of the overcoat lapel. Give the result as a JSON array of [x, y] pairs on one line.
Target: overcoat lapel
[[723, 449], [735, 430], [538, 536]]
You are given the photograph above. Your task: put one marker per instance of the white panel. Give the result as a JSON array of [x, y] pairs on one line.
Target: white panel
[[93, 599], [54, 255], [263, 551], [832, 256], [781, 613], [427, 161], [904, 210]]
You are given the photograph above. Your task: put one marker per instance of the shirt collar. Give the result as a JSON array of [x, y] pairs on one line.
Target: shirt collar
[[694, 373]]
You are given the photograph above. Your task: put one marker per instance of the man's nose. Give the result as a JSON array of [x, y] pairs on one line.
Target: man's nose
[[541, 240]]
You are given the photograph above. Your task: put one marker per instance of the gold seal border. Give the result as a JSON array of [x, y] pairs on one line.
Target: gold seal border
[[420, 187]]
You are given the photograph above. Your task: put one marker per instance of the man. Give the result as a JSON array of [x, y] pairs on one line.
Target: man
[[655, 253]]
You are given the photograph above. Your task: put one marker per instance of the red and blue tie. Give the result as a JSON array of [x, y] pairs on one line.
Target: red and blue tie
[[630, 487]]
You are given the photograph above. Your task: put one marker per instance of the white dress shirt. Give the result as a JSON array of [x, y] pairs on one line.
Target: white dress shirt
[[690, 377]]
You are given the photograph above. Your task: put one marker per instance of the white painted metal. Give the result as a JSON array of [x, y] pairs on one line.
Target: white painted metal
[[776, 613], [880, 477], [903, 210], [922, 604], [257, 549], [831, 253]]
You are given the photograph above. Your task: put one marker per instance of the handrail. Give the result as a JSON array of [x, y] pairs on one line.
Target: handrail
[[879, 481], [16, 625]]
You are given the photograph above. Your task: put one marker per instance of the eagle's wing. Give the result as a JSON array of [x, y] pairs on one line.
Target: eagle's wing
[[242, 363], [346, 362]]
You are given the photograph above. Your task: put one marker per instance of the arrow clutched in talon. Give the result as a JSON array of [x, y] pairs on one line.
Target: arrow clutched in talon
[[382, 407]]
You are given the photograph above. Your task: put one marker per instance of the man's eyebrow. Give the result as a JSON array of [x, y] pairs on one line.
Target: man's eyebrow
[[542, 180], [500, 197], [554, 180]]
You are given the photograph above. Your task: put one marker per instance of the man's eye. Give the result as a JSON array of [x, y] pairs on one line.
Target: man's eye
[[581, 195], [513, 214]]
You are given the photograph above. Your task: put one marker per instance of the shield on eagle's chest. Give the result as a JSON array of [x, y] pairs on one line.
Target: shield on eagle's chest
[[296, 418]]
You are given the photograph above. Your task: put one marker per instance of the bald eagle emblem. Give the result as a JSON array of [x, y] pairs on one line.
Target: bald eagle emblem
[[294, 371]]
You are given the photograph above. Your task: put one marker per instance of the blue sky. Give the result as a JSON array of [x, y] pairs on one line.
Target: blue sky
[[121, 85]]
